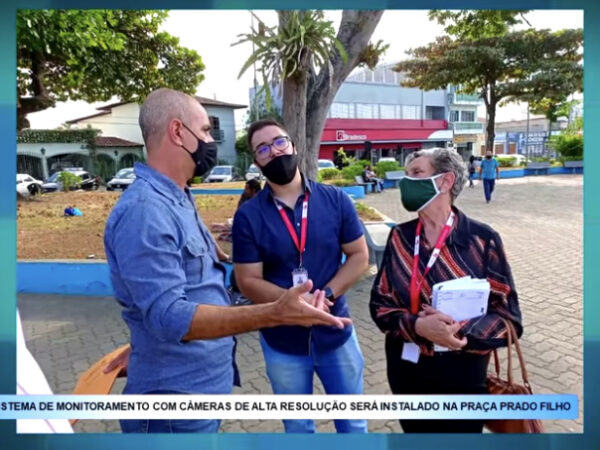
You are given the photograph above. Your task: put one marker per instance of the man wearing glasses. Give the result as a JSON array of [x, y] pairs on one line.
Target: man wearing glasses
[[167, 277], [293, 230]]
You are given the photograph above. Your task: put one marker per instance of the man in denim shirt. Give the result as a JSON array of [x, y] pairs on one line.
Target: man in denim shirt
[[166, 274]]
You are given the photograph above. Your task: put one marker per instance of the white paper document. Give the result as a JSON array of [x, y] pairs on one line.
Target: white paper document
[[462, 299]]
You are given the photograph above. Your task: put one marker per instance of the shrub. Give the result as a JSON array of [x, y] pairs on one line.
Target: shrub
[[341, 182], [197, 180], [68, 180], [366, 212], [568, 146], [348, 173], [570, 158], [345, 159], [330, 174], [386, 166], [509, 161]]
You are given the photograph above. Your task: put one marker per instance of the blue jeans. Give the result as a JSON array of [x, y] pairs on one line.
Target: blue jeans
[[488, 187], [169, 426], [377, 184], [340, 370]]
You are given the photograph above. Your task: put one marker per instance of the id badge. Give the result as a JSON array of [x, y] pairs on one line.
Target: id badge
[[299, 276], [410, 352]]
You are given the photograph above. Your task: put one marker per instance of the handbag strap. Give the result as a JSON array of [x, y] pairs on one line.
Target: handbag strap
[[512, 338], [524, 374], [509, 339]]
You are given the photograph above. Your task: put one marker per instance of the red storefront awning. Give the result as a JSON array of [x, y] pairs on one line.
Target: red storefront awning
[[351, 134]]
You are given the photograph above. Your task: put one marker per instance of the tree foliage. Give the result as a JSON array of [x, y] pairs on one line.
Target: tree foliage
[[306, 55], [553, 108], [477, 24], [285, 51], [498, 65], [93, 55]]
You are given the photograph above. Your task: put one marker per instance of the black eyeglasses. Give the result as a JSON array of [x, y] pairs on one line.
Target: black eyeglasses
[[263, 151]]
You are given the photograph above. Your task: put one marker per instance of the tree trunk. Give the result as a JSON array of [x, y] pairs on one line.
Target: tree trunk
[[490, 105], [490, 128], [30, 105], [294, 116], [40, 100], [318, 91]]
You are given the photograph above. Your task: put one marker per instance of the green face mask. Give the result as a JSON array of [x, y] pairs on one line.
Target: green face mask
[[417, 193]]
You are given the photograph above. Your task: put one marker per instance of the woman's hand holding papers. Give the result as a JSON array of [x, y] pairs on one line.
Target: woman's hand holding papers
[[439, 328]]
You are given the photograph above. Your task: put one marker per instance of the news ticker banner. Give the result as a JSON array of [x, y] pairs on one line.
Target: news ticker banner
[[542, 406]]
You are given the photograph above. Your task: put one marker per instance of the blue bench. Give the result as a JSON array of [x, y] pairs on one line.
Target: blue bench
[[359, 180], [376, 235], [537, 168], [395, 176], [574, 165]]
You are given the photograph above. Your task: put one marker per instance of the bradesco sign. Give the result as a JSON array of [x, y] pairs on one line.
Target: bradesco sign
[[341, 135]]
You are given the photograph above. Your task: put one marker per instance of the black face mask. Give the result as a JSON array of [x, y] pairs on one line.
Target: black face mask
[[205, 156], [488, 157], [281, 170]]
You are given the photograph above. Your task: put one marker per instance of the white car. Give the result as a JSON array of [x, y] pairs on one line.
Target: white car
[[222, 174], [387, 159], [254, 172], [122, 179], [27, 185], [325, 164]]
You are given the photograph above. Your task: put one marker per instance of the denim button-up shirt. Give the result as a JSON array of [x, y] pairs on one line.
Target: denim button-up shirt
[[163, 264]]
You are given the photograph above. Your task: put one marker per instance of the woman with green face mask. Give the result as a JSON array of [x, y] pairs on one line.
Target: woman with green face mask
[[441, 244]]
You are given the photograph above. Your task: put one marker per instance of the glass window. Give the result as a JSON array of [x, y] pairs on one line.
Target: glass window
[[379, 75], [454, 116], [468, 116], [366, 111], [340, 110], [387, 111], [434, 112], [410, 112]]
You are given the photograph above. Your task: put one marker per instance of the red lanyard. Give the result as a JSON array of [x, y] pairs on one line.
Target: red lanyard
[[415, 286], [302, 245]]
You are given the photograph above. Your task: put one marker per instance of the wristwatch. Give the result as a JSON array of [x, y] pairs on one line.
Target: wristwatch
[[329, 294]]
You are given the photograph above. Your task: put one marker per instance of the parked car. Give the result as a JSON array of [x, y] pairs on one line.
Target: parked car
[[254, 172], [222, 174], [325, 164], [387, 159], [122, 179], [27, 185], [88, 182]]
